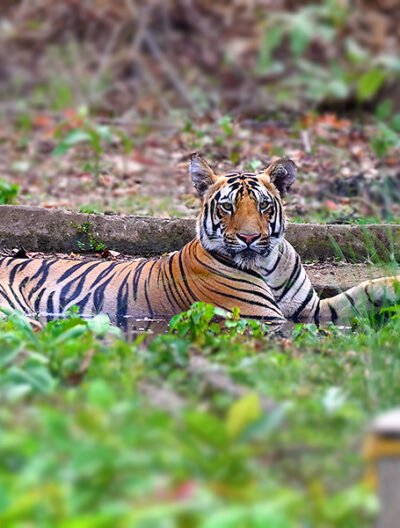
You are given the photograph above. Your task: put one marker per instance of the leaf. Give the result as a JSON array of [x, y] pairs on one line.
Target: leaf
[[384, 139], [302, 33], [73, 138], [271, 40], [221, 312], [273, 513], [69, 334], [76, 136], [370, 83], [242, 413], [8, 356], [99, 325], [207, 427], [356, 53], [338, 88], [333, 399], [395, 122], [384, 109], [268, 423], [37, 377]]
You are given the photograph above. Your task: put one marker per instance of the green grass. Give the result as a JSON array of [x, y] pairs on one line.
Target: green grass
[[319, 217], [81, 444], [142, 205]]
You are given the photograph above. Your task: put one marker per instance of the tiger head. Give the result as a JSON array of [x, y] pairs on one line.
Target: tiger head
[[242, 218]]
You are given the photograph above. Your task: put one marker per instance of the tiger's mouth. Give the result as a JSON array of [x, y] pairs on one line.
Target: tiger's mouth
[[250, 252]]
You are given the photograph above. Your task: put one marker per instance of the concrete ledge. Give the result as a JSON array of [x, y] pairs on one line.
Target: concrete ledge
[[53, 230]]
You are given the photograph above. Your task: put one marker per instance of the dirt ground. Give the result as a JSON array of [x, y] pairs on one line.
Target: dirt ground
[[340, 179], [101, 103]]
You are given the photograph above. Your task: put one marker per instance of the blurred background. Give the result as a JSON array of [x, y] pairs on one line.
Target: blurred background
[[102, 101]]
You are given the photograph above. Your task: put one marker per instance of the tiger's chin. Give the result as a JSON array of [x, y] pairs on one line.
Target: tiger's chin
[[244, 259], [249, 259]]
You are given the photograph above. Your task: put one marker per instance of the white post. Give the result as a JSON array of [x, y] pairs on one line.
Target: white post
[[383, 451]]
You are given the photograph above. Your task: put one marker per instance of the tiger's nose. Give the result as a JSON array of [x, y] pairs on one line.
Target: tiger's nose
[[249, 238]]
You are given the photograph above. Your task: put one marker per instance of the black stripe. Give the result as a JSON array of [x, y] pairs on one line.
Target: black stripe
[[252, 303], [42, 271], [299, 288], [79, 281], [21, 287], [317, 312], [146, 296], [146, 283], [136, 277], [292, 279], [122, 301], [334, 315], [371, 301], [72, 269], [83, 302], [50, 304], [98, 295], [7, 298], [104, 273], [269, 271], [350, 299], [36, 306], [18, 267], [185, 281], [165, 280], [256, 293], [230, 265], [174, 284], [295, 315], [169, 282]]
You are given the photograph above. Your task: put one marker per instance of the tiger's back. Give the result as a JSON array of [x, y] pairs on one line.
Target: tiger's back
[[158, 287]]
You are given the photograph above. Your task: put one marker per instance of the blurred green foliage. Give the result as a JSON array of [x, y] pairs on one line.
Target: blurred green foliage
[[81, 445], [321, 61], [8, 192]]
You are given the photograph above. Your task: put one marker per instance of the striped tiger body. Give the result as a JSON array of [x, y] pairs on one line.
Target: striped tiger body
[[158, 287]]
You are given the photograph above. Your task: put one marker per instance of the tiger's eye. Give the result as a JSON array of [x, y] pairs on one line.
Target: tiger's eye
[[226, 207], [264, 206]]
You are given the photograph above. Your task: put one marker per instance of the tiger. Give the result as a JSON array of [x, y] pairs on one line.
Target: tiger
[[239, 259]]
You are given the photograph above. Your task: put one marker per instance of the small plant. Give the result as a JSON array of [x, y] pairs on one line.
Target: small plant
[[226, 125], [89, 209], [254, 165], [196, 322], [8, 192], [82, 132], [201, 321], [91, 243], [385, 139]]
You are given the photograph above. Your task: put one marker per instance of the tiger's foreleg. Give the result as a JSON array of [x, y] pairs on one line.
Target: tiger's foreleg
[[286, 277]]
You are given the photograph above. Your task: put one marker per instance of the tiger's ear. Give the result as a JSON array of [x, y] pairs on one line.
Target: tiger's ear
[[282, 174], [202, 174]]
